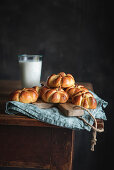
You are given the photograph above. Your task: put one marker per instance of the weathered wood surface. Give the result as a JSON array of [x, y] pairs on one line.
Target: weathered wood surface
[[36, 147], [25, 146], [70, 109], [62, 149]]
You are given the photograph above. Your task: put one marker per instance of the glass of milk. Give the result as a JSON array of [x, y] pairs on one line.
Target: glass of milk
[[30, 70]]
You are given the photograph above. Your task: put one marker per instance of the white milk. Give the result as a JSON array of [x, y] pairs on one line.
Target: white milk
[[30, 73]]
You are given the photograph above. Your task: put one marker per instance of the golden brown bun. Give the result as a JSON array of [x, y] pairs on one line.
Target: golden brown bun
[[40, 90], [75, 89], [61, 80], [43, 89], [37, 88], [56, 95], [26, 95], [84, 99]]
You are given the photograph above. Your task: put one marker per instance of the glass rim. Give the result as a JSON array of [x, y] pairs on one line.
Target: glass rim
[[30, 55]]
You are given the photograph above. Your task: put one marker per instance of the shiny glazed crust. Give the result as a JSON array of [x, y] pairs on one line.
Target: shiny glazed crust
[[84, 99], [26, 95], [56, 95], [43, 89], [75, 89], [61, 80]]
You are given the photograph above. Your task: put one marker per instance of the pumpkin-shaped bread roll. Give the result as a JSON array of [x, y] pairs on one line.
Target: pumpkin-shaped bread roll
[[75, 89], [85, 99], [56, 95], [60, 80], [26, 95]]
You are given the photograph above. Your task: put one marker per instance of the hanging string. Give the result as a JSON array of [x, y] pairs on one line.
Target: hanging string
[[95, 128]]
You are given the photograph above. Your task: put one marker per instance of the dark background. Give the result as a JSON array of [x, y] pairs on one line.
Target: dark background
[[75, 36]]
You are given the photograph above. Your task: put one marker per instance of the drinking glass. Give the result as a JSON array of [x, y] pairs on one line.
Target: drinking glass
[[30, 70]]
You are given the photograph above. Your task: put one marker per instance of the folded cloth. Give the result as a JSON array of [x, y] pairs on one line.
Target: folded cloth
[[55, 117]]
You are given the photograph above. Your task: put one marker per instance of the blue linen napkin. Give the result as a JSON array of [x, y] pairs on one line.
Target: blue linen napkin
[[55, 117]]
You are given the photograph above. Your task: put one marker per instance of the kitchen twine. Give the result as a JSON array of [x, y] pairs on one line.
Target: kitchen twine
[[95, 129]]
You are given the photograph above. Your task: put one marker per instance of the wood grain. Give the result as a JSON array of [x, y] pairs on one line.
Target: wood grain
[[62, 149], [70, 109], [25, 146]]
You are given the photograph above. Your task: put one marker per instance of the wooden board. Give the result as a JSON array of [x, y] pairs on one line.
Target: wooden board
[[67, 109], [43, 105], [70, 109]]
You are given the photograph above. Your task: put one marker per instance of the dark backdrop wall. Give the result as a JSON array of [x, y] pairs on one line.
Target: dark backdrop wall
[[75, 36]]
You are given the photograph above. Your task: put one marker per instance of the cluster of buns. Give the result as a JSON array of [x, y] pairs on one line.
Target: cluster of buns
[[59, 88]]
